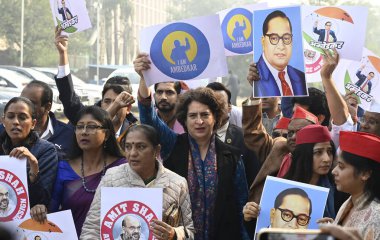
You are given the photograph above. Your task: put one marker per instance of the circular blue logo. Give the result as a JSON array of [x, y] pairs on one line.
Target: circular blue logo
[[184, 51], [237, 31]]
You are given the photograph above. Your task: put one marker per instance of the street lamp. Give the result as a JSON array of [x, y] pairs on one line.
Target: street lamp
[[98, 6], [22, 35]]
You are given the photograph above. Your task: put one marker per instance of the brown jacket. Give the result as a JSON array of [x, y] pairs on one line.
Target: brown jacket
[[269, 151]]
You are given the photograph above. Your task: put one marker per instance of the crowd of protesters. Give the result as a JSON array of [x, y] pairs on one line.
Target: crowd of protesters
[[186, 143]]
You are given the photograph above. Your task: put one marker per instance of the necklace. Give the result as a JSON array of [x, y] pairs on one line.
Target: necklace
[[84, 179]]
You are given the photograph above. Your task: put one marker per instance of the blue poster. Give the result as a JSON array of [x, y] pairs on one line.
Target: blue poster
[[237, 29], [279, 53], [184, 50], [290, 204]]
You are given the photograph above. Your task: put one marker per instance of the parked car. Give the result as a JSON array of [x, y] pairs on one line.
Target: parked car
[[12, 83], [130, 73], [88, 92]]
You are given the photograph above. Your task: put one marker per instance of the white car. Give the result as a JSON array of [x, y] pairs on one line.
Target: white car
[[12, 82], [87, 92], [130, 73]]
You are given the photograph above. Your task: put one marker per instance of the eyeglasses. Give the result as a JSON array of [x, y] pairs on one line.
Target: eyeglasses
[[328, 25], [274, 38], [90, 129], [279, 134], [288, 215]]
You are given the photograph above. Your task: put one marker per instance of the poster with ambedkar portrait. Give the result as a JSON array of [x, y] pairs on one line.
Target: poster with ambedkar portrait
[[126, 213], [184, 50], [14, 196], [328, 27], [71, 15], [278, 53], [290, 204], [361, 78]]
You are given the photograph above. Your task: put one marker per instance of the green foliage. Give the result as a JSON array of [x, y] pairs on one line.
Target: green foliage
[[39, 49]]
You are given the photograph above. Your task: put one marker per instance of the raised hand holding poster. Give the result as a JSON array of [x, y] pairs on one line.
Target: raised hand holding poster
[[237, 29], [290, 204], [360, 77], [185, 50], [278, 53], [70, 15], [14, 196], [129, 211], [340, 27]]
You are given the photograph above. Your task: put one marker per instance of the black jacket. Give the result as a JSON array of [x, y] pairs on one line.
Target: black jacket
[[227, 222]]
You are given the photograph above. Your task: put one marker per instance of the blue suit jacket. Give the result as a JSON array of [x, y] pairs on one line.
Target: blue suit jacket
[[361, 80], [322, 36], [267, 85]]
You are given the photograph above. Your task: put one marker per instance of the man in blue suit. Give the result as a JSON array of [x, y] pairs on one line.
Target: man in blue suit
[[364, 81], [277, 78], [326, 34]]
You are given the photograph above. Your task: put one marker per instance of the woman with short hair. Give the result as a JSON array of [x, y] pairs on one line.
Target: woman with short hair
[[214, 170]]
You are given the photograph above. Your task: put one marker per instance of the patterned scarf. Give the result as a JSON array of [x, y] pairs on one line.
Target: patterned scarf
[[203, 181]]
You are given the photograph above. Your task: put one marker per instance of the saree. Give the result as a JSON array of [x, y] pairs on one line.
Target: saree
[[69, 193]]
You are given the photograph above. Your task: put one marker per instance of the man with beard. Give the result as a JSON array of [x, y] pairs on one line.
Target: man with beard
[[131, 229], [165, 97], [6, 206]]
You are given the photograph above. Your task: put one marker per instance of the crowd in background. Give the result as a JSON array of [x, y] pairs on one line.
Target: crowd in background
[[209, 160]]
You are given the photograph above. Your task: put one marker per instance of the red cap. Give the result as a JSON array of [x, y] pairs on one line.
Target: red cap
[[283, 123], [313, 134], [361, 144], [301, 113]]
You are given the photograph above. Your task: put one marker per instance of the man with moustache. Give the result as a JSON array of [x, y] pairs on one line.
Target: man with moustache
[[277, 78], [131, 229], [165, 97], [6, 205]]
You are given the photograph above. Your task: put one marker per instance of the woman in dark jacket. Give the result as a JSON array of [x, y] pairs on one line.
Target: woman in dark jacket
[[214, 170], [20, 141]]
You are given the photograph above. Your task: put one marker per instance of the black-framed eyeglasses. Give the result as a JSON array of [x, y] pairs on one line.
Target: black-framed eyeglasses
[[90, 129], [279, 134], [274, 38], [288, 215]]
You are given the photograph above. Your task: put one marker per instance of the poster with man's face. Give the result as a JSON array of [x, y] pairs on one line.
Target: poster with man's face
[[289, 204], [70, 15], [328, 27], [14, 200], [126, 213], [360, 77], [278, 53]]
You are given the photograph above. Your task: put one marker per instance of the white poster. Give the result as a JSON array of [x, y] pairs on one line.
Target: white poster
[[14, 196], [362, 77], [137, 206], [291, 204], [341, 27], [237, 29], [70, 15], [184, 50], [59, 226]]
